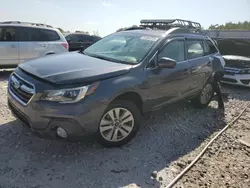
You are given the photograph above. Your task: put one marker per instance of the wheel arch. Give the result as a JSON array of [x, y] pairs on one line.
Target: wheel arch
[[131, 96]]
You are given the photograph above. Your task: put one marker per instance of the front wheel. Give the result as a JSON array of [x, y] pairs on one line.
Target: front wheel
[[205, 97], [119, 123]]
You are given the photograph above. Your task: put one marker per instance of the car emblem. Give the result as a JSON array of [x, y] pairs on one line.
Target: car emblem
[[15, 82]]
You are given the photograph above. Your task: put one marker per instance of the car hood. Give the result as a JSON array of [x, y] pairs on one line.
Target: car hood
[[235, 61], [73, 68], [236, 57]]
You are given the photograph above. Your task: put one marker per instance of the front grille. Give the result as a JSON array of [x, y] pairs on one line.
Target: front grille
[[229, 80], [245, 81], [21, 88], [19, 115]]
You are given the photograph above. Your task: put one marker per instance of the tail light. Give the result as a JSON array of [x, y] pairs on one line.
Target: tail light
[[65, 45]]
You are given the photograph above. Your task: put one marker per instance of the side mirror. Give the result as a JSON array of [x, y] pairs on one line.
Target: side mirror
[[166, 62]]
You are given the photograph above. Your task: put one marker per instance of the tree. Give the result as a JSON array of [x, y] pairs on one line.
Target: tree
[[232, 26], [96, 33], [124, 28], [61, 30]]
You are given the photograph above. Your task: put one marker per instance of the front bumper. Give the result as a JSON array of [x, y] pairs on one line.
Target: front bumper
[[43, 117], [237, 79]]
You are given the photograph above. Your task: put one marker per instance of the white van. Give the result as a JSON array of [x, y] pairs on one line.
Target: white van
[[20, 41]]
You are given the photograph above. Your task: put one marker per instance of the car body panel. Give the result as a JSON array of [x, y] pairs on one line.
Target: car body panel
[[155, 86], [234, 66], [85, 68], [9, 53], [14, 52], [167, 85]]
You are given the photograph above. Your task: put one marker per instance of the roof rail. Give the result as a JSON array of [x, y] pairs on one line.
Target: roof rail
[[26, 23], [169, 23]]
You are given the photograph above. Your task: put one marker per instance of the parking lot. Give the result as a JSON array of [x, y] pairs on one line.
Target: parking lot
[[165, 137]]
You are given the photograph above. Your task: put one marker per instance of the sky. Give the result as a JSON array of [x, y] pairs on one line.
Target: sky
[[107, 16]]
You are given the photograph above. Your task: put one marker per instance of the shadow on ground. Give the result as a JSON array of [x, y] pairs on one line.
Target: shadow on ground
[[165, 135], [237, 92]]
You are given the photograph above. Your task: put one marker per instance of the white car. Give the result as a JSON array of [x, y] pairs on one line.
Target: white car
[[20, 41], [237, 70]]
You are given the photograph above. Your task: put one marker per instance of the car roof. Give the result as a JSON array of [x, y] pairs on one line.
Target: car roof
[[83, 34], [163, 33], [159, 33], [28, 26]]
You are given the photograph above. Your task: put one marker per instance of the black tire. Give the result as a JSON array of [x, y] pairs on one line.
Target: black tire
[[197, 101], [131, 107], [50, 53]]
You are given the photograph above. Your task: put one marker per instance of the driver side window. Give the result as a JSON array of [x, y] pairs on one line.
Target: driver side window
[[175, 50]]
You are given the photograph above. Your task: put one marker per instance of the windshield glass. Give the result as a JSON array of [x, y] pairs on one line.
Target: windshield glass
[[123, 47]]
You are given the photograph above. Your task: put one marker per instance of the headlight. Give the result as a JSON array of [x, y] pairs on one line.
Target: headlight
[[244, 71], [69, 95]]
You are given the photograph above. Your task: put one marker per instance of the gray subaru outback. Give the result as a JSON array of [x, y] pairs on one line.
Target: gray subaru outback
[[104, 90]]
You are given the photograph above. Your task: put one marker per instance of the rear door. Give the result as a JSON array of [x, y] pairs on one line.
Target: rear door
[[30, 43], [167, 85], [9, 46], [200, 64]]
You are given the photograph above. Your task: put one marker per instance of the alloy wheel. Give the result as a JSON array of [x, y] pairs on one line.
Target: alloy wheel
[[206, 94], [116, 124]]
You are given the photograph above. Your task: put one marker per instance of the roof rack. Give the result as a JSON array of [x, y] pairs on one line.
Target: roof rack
[[169, 23], [26, 23]]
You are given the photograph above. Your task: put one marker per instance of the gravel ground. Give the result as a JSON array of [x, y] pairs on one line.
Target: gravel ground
[[168, 140]]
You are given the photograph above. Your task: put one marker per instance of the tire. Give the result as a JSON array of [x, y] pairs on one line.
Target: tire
[[199, 101], [111, 129], [51, 53]]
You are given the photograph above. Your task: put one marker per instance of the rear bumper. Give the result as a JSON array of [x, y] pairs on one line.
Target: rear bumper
[[237, 79]]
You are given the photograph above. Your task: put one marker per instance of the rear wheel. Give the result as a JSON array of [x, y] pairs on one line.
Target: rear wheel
[[119, 123], [205, 96]]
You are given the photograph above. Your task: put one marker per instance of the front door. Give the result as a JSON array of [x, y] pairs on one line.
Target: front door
[[9, 45], [167, 85]]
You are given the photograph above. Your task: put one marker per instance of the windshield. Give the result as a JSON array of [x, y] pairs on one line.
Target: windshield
[[123, 47]]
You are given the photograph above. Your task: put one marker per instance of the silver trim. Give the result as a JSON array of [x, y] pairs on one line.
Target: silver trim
[[25, 80], [24, 88], [151, 68], [27, 89]]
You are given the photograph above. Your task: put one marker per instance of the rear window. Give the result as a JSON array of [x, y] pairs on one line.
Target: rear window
[[36, 34], [72, 38], [82, 38], [95, 38]]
